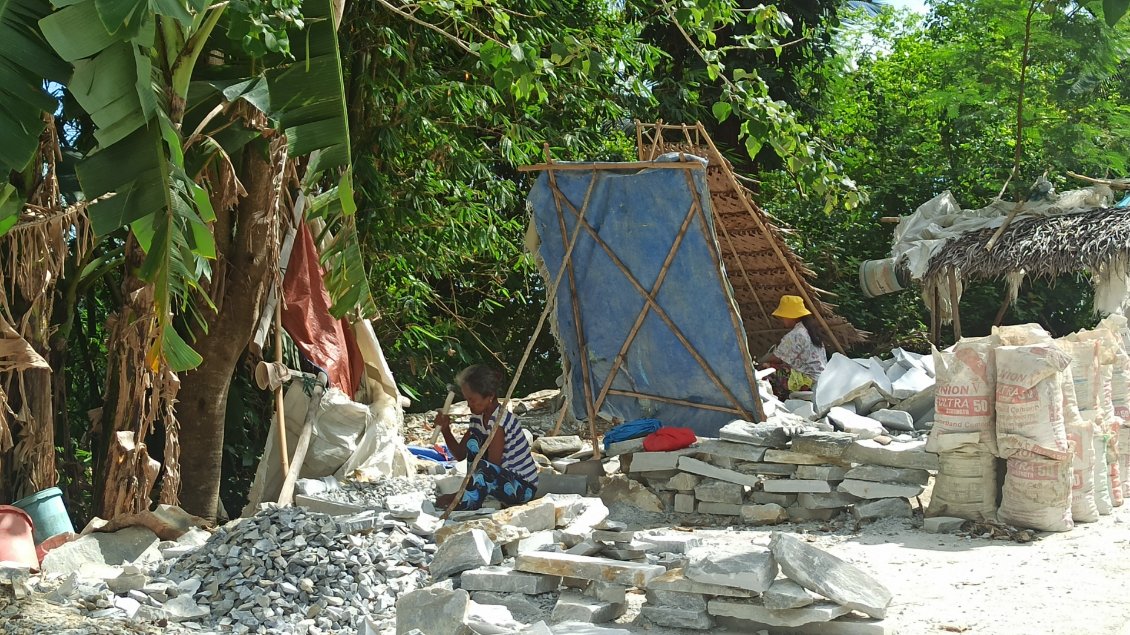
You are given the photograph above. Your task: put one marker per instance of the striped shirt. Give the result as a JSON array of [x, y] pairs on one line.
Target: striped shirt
[[516, 455]]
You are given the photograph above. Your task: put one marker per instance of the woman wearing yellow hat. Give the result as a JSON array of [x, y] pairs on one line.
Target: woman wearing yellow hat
[[800, 357]]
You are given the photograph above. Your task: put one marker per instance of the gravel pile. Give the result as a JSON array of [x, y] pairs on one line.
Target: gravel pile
[[288, 570], [374, 494]]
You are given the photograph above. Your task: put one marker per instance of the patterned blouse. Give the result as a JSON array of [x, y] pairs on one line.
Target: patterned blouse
[[796, 350], [516, 454]]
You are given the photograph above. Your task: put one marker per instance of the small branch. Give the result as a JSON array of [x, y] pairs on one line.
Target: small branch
[[1119, 184], [1019, 127], [428, 25]]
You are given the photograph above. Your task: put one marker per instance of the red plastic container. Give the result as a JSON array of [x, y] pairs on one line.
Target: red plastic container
[[16, 542]]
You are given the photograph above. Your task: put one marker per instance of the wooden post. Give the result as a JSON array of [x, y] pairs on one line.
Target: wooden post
[[279, 409], [773, 243], [286, 495], [954, 299]]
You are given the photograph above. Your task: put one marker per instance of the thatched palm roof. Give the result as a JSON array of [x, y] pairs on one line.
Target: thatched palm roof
[[760, 266], [1040, 246]]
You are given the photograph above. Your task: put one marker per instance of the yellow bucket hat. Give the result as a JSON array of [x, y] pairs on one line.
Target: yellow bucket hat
[[791, 307]]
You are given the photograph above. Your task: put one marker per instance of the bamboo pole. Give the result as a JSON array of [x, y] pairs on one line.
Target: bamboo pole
[[582, 345], [627, 165], [552, 293], [639, 140], [659, 311], [739, 332], [1004, 308], [560, 418], [280, 411], [678, 402], [645, 309], [816, 310]]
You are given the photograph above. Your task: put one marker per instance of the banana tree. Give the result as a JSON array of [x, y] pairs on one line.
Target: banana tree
[[205, 117]]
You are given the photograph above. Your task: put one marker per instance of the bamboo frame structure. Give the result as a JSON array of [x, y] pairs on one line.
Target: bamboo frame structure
[[760, 266], [651, 304]]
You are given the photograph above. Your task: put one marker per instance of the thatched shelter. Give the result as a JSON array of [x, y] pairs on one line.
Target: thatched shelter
[[760, 266], [1096, 241]]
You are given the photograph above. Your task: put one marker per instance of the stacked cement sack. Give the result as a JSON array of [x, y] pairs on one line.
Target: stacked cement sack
[[1120, 402], [964, 432], [1031, 432]]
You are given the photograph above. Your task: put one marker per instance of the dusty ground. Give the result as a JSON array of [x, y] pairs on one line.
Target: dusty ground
[[1072, 583]]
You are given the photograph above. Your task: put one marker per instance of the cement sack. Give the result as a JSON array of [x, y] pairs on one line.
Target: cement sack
[[966, 483], [1124, 459], [1120, 373], [1108, 346], [1021, 334], [1102, 476], [1084, 370], [1114, 469], [965, 390], [1081, 434], [1037, 493], [1029, 401]]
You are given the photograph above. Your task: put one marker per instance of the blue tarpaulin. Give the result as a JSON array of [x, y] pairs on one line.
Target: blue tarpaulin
[[637, 214]]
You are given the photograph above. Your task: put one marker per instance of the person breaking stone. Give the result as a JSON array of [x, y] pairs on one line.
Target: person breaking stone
[[507, 471], [800, 357]]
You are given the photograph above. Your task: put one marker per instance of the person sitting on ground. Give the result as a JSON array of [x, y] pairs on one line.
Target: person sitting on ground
[[507, 471], [800, 357]]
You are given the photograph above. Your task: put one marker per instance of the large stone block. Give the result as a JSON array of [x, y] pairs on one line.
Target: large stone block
[[882, 508], [883, 474], [574, 606], [870, 490], [702, 468], [786, 594], [670, 542], [676, 580], [766, 435], [468, 550], [768, 514], [559, 446], [676, 599], [729, 450], [550, 482], [829, 576], [588, 568], [910, 454], [755, 611], [433, 610], [835, 500], [507, 580], [827, 444], [684, 503], [894, 419], [683, 482], [719, 509], [534, 516], [715, 491], [768, 469], [753, 570], [796, 486], [821, 472], [794, 457], [863, 427], [770, 498], [125, 546], [678, 618], [657, 461]]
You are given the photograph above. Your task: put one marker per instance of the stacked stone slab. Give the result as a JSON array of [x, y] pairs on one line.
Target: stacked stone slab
[[758, 474], [787, 584]]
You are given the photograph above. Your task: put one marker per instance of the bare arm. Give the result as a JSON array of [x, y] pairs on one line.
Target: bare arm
[[458, 448]]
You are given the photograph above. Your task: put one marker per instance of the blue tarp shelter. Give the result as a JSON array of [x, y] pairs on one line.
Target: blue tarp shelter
[[645, 316]]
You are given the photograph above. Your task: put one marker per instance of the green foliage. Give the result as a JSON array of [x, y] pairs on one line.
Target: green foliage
[[917, 106]]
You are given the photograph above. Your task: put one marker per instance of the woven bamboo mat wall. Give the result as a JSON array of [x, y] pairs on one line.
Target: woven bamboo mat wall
[[759, 264]]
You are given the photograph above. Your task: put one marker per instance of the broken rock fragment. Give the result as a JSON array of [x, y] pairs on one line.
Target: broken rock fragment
[[829, 576], [753, 570], [463, 551]]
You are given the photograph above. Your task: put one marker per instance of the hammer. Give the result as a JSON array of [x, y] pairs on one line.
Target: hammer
[[451, 390]]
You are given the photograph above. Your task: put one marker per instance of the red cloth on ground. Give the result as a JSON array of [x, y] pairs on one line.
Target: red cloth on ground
[[327, 342], [668, 439]]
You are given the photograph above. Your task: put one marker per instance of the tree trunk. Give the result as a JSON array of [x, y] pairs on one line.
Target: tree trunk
[[250, 265]]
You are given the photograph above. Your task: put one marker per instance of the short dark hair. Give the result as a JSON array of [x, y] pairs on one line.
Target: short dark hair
[[483, 379]]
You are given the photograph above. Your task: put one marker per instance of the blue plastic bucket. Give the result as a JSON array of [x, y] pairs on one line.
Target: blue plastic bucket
[[47, 512]]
